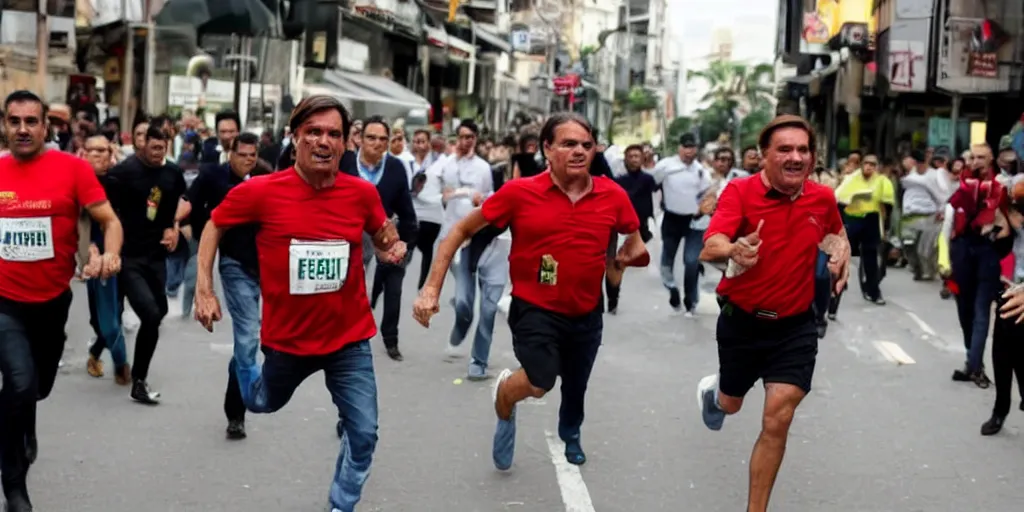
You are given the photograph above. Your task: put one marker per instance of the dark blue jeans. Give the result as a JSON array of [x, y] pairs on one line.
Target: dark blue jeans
[[675, 229], [105, 318], [822, 286], [350, 379], [976, 272], [31, 344], [242, 295], [176, 263]]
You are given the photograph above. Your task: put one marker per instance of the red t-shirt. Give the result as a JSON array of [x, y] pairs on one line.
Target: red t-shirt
[[310, 248], [782, 281], [559, 249], [40, 203]]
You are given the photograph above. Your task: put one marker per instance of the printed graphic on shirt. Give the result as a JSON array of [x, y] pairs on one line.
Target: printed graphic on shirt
[[26, 239], [317, 267], [153, 202], [548, 270]]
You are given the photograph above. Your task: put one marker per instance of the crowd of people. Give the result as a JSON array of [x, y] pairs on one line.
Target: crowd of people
[[548, 214]]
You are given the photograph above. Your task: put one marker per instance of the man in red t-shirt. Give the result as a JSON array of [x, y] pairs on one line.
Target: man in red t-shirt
[[768, 229], [42, 193], [562, 221], [316, 316]]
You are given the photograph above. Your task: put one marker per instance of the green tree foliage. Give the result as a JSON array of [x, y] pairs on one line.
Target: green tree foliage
[[737, 93]]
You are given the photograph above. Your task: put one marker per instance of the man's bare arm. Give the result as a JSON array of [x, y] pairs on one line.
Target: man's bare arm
[[458, 235], [385, 237], [718, 249], [206, 254], [113, 235], [184, 208]]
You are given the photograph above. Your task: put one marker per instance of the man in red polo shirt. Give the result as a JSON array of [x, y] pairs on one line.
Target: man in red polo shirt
[[562, 222], [768, 228], [316, 316], [42, 195]]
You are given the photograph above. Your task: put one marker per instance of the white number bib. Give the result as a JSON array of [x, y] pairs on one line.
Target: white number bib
[[317, 267], [26, 239]]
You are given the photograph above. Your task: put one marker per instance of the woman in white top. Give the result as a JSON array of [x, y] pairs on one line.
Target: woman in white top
[[425, 184]]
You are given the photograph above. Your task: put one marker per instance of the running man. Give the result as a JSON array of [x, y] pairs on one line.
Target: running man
[[766, 328], [640, 186], [556, 312], [316, 316], [42, 193]]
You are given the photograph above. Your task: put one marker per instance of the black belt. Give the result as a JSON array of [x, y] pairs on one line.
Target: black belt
[[730, 308]]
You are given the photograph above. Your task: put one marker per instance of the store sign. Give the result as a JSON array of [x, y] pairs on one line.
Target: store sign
[[389, 12], [520, 40], [983, 65]]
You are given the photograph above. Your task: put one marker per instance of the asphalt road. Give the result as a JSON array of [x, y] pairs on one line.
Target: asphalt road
[[873, 436]]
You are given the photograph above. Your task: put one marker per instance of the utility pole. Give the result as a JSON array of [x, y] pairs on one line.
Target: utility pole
[[43, 44], [127, 71], [150, 64]]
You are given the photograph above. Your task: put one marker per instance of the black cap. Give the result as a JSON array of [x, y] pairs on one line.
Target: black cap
[[688, 139], [917, 155]]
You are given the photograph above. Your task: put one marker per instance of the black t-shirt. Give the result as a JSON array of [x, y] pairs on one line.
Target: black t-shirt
[[527, 163], [146, 200]]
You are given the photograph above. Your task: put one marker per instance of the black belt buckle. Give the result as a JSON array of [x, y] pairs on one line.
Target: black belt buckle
[[765, 314]]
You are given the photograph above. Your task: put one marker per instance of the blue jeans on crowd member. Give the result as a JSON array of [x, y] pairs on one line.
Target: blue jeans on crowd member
[[242, 295], [693, 240], [822, 286], [491, 276], [976, 272], [189, 279], [350, 380], [176, 263], [105, 318]]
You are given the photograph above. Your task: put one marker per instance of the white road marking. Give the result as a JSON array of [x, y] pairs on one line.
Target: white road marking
[[575, 495], [893, 353], [921, 324]]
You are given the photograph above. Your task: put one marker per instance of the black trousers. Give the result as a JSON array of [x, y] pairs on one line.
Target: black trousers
[[1007, 360], [31, 343], [387, 280], [142, 281], [425, 243]]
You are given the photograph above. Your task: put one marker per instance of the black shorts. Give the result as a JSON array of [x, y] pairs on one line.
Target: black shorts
[[751, 348], [545, 341]]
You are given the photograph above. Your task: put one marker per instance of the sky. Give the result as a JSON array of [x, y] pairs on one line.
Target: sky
[[693, 22]]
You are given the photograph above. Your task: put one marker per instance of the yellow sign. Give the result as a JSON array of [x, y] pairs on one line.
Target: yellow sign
[[828, 17]]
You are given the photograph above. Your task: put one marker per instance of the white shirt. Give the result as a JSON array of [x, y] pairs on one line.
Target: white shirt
[[682, 185], [922, 194], [466, 176], [428, 202]]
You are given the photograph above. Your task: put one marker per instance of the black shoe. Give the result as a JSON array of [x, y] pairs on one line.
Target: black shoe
[[674, 300], [831, 317], [962, 374], [394, 353], [17, 500], [236, 430], [980, 379], [31, 449], [992, 426], [822, 329], [945, 294], [142, 394]]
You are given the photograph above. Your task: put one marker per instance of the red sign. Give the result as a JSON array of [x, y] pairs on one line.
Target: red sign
[[567, 85], [983, 65]]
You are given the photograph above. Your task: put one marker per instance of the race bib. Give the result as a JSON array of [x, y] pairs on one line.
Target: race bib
[[26, 239], [317, 267]]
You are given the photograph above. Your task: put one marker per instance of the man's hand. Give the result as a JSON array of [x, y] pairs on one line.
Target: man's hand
[[394, 255], [425, 306], [94, 267], [478, 198], [111, 265], [1014, 307], [170, 239], [207, 309], [385, 236], [744, 250], [633, 253], [708, 203], [838, 249]]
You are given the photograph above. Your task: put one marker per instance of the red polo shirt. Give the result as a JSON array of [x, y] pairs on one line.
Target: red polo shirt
[[40, 203], [782, 281], [310, 249], [547, 227]]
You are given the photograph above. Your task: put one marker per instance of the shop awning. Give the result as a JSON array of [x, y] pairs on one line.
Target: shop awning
[[370, 88], [488, 34]]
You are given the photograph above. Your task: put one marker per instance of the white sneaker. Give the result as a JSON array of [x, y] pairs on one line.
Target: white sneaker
[[453, 352]]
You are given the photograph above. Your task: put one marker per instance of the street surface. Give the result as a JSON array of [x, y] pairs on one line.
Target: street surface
[[874, 435]]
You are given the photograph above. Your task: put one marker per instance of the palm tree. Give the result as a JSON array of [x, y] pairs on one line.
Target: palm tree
[[734, 91]]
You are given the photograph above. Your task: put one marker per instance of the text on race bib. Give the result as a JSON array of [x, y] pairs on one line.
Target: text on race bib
[[317, 267], [26, 239]]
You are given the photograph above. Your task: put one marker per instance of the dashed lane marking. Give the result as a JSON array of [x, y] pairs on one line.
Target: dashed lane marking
[[921, 324], [893, 353], [575, 495]]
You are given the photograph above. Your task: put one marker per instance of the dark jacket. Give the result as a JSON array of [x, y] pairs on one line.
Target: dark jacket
[[205, 194], [393, 188], [208, 153]]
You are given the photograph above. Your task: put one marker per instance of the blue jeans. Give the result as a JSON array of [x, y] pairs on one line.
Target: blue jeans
[[242, 294], [105, 317], [976, 272], [189, 279], [350, 379], [176, 263], [465, 298], [693, 240], [822, 286]]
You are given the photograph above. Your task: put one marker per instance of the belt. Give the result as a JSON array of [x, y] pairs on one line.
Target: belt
[[729, 309]]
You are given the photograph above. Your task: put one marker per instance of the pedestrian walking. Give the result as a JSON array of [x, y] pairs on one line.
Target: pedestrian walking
[[768, 228]]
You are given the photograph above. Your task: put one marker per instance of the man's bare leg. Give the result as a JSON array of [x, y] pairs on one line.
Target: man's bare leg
[[780, 404]]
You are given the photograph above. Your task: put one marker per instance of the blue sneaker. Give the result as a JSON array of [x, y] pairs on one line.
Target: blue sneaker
[[504, 447], [574, 452], [712, 415], [477, 372]]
